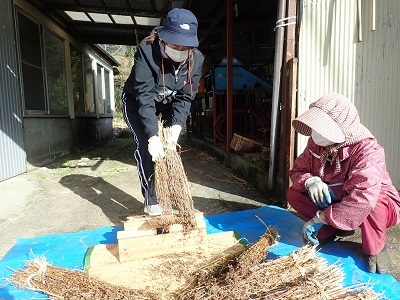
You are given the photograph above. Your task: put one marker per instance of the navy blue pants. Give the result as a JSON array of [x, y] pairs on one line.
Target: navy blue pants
[[142, 156]]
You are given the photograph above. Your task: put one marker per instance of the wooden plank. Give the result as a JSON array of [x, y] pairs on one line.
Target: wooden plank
[[146, 273], [131, 248], [152, 246], [143, 224], [292, 91]]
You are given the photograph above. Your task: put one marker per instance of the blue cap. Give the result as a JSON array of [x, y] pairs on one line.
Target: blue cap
[[180, 28]]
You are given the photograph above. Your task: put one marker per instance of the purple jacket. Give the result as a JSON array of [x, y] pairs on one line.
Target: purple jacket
[[362, 177]]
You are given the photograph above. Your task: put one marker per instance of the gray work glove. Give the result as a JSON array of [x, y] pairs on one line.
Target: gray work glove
[[319, 192], [380, 263]]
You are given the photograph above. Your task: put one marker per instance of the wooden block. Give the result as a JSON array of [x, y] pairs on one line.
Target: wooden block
[[133, 247], [169, 274], [143, 227]]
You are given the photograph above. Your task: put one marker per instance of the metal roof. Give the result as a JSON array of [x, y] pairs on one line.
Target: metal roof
[[129, 21]]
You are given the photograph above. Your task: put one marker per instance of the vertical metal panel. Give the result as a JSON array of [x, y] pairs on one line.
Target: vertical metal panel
[[12, 154], [331, 59], [377, 80]]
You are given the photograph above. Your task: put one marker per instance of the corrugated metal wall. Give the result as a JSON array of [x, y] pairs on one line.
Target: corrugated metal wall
[[12, 154], [331, 59]]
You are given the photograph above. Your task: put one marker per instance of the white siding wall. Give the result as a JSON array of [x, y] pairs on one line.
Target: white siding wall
[[331, 59]]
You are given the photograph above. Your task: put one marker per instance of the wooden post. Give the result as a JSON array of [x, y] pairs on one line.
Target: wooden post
[[229, 72], [288, 101], [292, 92], [372, 12], [359, 20]]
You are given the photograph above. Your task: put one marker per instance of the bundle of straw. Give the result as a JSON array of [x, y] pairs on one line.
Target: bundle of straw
[[238, 259], [256, 253], [172, 186], [59, 283], [300, 275]]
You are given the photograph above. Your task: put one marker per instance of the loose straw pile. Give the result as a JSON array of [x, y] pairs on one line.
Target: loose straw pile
[[300, 275], [242, 257], [59, 283], [172, 186], [241, 275]]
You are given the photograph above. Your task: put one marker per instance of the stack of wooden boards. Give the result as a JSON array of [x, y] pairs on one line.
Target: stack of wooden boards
[[153, 257]]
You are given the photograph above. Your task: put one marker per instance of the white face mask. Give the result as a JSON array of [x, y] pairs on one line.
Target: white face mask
[[320, 140], [176, 55]]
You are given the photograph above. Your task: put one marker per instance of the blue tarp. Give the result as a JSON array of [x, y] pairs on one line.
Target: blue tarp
[[68, 250]]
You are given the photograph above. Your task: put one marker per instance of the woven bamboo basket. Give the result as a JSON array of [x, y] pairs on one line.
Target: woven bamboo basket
[[243, 144]]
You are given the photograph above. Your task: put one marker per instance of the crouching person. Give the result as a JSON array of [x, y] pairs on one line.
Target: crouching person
[[340, 181]]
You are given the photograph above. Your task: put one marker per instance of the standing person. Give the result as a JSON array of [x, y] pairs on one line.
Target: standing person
[[340, 181], [162, 83]]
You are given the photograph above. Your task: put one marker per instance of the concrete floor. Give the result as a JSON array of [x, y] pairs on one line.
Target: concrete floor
[[99, 188]]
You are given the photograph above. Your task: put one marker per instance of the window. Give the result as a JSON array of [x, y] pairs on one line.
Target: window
[[56, 78], [100, 94], [77, 81], [89, 85], [31, 64], [107, 90], [43, 69], [103, 90]]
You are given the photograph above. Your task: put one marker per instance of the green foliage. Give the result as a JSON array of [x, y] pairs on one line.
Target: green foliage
[[118, 99], [129, 51], [66, 164], [124, 134]]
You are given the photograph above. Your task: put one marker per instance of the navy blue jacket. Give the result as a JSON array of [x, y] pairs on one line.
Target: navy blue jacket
[[144, 88]]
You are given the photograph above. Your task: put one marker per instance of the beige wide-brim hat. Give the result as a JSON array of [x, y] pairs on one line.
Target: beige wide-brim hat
[[329, 116]]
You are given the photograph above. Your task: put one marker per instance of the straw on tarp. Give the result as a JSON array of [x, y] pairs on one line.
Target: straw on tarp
[[299, 275], [60, 283]]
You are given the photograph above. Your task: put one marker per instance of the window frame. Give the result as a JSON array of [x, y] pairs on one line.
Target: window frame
[[36, 112]]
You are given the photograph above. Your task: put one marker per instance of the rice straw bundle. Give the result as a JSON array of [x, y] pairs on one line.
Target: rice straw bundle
[[257, 252], [241, 259], [59, 283], [300, 275], [172, 186], [161, 185]]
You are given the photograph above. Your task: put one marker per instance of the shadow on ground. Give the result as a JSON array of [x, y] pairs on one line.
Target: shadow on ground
[[115, 203]]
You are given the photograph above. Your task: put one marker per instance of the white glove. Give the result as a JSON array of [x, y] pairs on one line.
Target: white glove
[[176, 131], [156, 148], [318, 191]]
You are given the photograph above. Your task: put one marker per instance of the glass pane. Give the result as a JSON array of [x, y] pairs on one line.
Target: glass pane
[[33, 88], [107, 89], [77, 81], [89, 85], [32, 73], [55, 73], [100, 97], [29, 41]]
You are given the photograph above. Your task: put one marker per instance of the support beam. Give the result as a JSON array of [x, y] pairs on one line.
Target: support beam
[[229, 72], [275, 94]]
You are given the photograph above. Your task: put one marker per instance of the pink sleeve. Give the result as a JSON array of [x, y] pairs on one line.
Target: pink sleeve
[[301, 170], [361, 189]]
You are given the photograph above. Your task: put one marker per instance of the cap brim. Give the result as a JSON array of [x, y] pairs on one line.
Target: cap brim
[[319, 121], [177, 39]]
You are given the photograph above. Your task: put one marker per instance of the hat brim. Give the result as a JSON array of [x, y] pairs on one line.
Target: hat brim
[[318, 120], [177, 39]]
